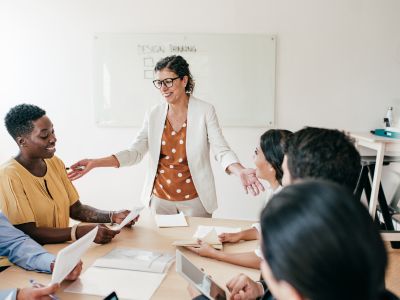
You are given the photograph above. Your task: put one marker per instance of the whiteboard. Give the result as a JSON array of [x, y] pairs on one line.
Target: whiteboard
[[234, 72]]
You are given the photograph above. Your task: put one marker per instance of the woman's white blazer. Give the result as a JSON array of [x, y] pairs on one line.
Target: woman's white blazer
[[202, 133]]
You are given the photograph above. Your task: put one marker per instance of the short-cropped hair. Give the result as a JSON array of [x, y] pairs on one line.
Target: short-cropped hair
[[19, 119]]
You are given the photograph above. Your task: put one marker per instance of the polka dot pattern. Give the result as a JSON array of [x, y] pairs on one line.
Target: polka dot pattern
[[173, 180]]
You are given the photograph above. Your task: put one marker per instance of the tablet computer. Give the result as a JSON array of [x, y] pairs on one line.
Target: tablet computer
[[198, 279], [112, 296]]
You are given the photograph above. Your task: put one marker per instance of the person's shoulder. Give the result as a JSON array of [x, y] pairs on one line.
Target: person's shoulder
[[201, 106], [387, 295], [160, 107], [10, 168], [201, 103], [55, 162], [278, 189]]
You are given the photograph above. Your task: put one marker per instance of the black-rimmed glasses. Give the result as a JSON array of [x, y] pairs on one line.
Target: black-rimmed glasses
[[168, 82]]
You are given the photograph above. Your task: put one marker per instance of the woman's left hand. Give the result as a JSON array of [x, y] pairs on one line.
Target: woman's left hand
[[250, 181]]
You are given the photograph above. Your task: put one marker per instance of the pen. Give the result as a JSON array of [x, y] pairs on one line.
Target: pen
[[80, 168], [36, 284]]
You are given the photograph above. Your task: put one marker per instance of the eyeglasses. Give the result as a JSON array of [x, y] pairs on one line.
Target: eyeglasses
[[168, 82]]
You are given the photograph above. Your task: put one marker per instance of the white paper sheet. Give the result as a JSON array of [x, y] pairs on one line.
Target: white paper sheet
[[132, 215], [10, 296], [177, 220], [127, 284], [68, 257], [203, 230]]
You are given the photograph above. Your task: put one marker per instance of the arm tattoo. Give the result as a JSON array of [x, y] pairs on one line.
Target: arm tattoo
[[86, 213]]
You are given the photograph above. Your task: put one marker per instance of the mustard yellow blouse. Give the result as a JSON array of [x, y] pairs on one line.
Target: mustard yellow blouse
[[46, 200]]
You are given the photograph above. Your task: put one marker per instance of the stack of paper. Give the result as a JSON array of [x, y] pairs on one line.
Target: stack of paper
[[177, 220]]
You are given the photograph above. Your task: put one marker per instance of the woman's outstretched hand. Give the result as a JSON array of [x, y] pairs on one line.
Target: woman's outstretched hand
[[80, 168], [250, 181]]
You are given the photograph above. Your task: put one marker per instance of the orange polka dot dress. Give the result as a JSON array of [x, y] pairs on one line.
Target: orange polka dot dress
[[173, 179]]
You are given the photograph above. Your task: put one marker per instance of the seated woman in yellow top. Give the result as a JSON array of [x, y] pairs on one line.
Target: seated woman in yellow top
[[35, 192]]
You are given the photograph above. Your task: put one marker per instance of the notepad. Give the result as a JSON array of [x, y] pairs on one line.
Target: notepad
[[177, 220]]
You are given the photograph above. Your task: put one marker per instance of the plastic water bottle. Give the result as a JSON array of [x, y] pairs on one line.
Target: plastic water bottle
[[389, 117]]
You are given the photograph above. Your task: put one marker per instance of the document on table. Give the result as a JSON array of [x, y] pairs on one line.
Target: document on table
[[132, 215], [134, 285], [68, 257], [203, 230], [210, 238], [177, 220], [136, 260]]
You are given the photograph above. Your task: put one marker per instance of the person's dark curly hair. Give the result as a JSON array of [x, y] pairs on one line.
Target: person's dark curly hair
[[179, 65], [272, 144], [323, 154], [19, 119]]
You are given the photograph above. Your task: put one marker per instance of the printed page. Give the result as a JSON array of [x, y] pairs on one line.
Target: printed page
[[177, 220]]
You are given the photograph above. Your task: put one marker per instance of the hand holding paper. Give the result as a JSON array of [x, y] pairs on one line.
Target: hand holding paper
[[69, 257], [130, 217]]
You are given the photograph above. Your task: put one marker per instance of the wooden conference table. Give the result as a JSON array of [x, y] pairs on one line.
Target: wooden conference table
[[146, 235]]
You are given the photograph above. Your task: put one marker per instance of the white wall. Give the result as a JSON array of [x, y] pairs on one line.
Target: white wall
[[338, 65]]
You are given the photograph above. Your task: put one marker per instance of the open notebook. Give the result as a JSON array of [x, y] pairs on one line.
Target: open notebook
[[208, 234]]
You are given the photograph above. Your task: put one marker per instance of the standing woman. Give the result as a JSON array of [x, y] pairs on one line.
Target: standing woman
[[178, 135]]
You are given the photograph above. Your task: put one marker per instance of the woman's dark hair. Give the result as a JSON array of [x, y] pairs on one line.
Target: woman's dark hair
[[19, 119], [323, 242], [272, 145], [178, 65]]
